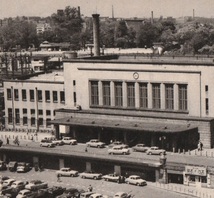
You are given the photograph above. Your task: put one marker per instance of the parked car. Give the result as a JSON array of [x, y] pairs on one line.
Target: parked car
[[23, 167], [67, 172], [12, 193], [47, 143], [54, 191], [2, 178], [12, 166], [121, 195], [113, 178], [86, 194], [5, 189], [20, 185], [118, 143], [95, 143], [36, 184], [8, 182], [118, 150], [154, 150], [69, 141], [70, 193], [3, 165], [55, 141], [90, 175], [26, 194], [140, 148], [96, 195], [136, 180]]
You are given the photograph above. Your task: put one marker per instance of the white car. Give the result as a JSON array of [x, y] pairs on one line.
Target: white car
[[98, 195], [136, 180], [118, 150], [47, 143], [8, 182], [121, 195], [95, 143], [140, 148], [118, 143], [67, 172], [36, 185], [154, 150], [55, 141], [26, 194], [90, 175], [69, 140], [113, 178]]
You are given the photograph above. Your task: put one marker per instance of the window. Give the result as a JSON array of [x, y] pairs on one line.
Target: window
[[94, 93], [47, 122], [55, 98], [207, 105], [156, 96], [75, 98], [74, 82], [143, 95], [169, 96], [16, 94], [40, 122], [47, 96], [62, 96], [106, 94], [31, 95], [54, 112], [17, 116], [40, 112], [182, 89], [39, 95], [33, 121], [48, 112], [9, 94], [24, 95], [118, 94], [131, 94], [24, 120], [32, 111], [10, 116], [206, 88], [24, 111]]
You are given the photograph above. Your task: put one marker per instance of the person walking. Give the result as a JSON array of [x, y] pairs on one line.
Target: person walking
[[8, 141], [58, 178], [90, 188]]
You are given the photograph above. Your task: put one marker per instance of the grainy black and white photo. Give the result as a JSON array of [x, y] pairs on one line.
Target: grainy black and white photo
[[106, 99]]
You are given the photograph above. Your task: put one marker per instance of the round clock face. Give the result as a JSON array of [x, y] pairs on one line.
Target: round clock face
[[135, 75]]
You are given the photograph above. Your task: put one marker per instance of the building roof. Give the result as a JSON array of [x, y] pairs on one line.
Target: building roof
[[57, 76], [120, 124]]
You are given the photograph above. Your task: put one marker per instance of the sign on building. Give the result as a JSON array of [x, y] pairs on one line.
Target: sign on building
[[195, 170]]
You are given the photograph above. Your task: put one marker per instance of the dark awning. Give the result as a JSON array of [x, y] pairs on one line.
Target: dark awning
[[123, 124]]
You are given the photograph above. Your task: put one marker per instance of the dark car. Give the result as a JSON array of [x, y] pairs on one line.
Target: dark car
[[54, 191], [70, 193], [3, 165], [12, 166], [23, 167]]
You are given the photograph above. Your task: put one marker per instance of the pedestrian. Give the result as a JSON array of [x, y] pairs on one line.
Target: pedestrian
[[90, 188], [58, 178], [86, 150], [201, 145], [8, 141]]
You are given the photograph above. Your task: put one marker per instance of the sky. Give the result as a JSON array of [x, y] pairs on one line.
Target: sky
[[122, 8]]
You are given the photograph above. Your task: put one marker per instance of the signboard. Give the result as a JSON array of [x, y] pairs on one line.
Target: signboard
[[63, 129], [195, 170]]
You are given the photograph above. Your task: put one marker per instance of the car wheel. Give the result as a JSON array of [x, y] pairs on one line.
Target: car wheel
[[71, 175], [124, 153], [95, 178], [137, 184], [83, 177], [127, 182], [149, 153], [98, 146], [106, 179]]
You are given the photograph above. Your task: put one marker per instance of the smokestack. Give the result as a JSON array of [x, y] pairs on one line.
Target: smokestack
[[96, 34], [193, 14], [112, 12], [152, 17], [79, 14]]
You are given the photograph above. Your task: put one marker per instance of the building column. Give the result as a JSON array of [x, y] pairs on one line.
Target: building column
[[61, 163], [88, 166], [175, 97], [149, 95], [117, 170], [125, 137], [35, 160], [99, 135], [112, 94], [153, 140], [137, 95], [100, 90], [162, 90], [57, 135], [157, 175], [124, 94], [174, 144]]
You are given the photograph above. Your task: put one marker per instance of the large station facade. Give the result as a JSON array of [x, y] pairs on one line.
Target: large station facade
[[163, 102]]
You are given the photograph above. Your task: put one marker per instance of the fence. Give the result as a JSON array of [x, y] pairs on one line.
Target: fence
[[203, 153], [197, 192]]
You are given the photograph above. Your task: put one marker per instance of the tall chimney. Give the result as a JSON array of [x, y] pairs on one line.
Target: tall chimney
[[79, 14], [96, 34], [152, 20], [193, 14]]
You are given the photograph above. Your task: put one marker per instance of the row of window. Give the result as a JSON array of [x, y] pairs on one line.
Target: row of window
[[116, 91], [25, 118], [40, 96]]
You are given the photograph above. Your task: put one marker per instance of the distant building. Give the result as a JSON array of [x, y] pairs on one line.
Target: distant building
[[42, 27], [46, 46]]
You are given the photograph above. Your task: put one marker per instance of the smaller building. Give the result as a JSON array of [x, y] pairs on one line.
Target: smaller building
[[46, 46]]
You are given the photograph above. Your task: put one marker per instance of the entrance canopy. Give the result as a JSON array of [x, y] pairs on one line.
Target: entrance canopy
[[124, 124]]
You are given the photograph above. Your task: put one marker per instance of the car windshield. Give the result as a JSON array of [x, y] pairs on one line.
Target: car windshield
[[21, 164]]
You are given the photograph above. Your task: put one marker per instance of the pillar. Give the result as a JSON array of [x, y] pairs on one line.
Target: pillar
[[57, 131], [117, 170], [96, 34], [149, 95], [162, 90], [100, 89], [99, 135], [88, 166], [137, 95], [112, 94], [61, 163], [175, 96], [124, 94], [174, 143], [157, 175], [153, 140], [35, 160]]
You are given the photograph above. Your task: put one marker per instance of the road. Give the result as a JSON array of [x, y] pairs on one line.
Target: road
[[99, 186]]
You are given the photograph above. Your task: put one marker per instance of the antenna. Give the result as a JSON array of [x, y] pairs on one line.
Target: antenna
[[112, 12]]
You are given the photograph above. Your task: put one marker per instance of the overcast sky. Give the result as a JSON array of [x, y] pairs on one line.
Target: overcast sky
[[122, 8]]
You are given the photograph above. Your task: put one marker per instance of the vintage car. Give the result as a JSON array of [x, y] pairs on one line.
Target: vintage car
[[36, 184], [55, 141], [113, 178], [136, 180], [118, 143], [118, 150], [23, 167], [12, 166], [90, 175], [67, 172], [140, 148], [70, 192], [47, 143], [26, 194], [69, 140], [3, 165], [95, 143], [154, 150], [121, 195]]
